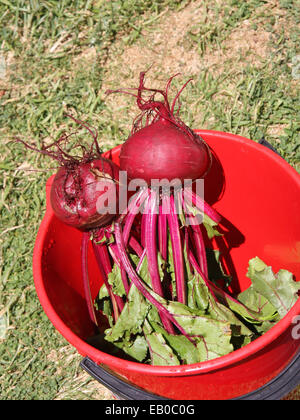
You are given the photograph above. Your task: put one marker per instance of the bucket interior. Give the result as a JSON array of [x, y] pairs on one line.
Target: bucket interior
[[256, 193]]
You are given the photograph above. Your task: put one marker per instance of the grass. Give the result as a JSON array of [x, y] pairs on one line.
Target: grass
[[61, 56]]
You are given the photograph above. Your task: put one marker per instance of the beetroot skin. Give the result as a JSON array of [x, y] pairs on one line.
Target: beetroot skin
[[75, 193], [164, 151], [161, 146]]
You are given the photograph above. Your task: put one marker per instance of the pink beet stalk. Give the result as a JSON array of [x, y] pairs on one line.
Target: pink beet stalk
[[198, 202], [177, 252], [151, 252], [132, 211], [162, 233], [103, 262], [198, 242], [143, 230], [139, 283], [141, 261], [200, 248], [207, 282], [85, 276], [135, 245], [113, 250]]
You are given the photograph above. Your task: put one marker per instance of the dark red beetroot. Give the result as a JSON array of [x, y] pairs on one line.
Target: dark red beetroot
[[164, 151], [161, 146], [85, 191], [86, 196]]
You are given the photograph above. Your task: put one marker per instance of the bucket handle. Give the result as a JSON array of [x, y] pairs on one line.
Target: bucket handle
[[285, 382], [265, 143], [122, 389]]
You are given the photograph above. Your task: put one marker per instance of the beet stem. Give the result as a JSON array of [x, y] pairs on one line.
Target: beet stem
[[169, 83], [141, 260], [139, 283], [143, 231], [207, 282], [187, 248], [178, 94], [200, 248], [114, 252], [86, 126], [134, 244], [177, 250], [151, 251], [162, 233], [85, 276], [100, 255], [199, 243], [132, 210], [202, 205]]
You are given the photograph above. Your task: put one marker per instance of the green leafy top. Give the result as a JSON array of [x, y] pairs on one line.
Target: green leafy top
[[279, 289], [217, 327]]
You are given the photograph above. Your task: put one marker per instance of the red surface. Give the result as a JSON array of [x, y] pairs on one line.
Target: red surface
[[258, 193]]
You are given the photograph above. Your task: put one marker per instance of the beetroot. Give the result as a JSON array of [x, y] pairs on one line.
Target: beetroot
[[84, 193], [163, 147], [76, 194], [164, 151]]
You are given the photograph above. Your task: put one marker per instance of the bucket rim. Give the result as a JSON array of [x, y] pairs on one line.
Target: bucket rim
[[100, 357]]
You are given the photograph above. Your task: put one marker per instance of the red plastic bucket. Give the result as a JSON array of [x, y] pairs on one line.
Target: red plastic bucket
[[257, 193]]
